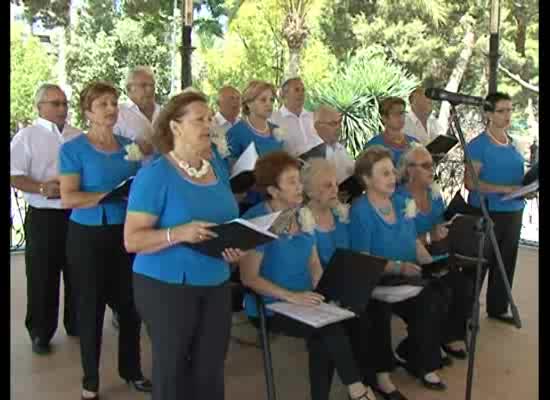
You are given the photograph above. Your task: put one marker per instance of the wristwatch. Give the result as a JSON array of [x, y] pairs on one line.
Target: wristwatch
[[41, 189]]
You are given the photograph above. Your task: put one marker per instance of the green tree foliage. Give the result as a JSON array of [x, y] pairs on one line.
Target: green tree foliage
[[360, 83], [30, 66]]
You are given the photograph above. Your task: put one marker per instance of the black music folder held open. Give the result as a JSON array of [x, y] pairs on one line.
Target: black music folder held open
[[351, 186], [532, 175], [242, 174], [350, 278], [119, 193], [317, 151], [238, 234], [440, 146]]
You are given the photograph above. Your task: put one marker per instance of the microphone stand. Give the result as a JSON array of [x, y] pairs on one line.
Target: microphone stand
[[485, 228]]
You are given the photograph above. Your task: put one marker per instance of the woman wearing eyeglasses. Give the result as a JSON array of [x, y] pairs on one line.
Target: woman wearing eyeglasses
[[417, 184], [499, 167], [392, 111]]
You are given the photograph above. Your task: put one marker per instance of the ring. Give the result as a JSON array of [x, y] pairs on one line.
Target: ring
[[200, 236]]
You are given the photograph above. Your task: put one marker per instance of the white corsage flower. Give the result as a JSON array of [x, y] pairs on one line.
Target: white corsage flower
[[306, 220], [410, 208], [218, 138], [279, 133], [342, 212], [133, 152], [436, 190]]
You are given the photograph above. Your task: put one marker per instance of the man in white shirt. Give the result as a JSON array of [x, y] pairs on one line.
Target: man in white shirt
[[229, 104], [33, 170], [136, 118], [297, 122], [328, 122], [419, 123]]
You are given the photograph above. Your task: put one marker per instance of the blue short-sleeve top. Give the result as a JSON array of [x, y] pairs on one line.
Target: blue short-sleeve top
[[99, 171], [396, 152], [329, 240], [162, 191], [242, 134], [370, 233], [500, 165], [424, 222], [285, 261]]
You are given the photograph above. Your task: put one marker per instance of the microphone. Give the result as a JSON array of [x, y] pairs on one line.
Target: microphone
[[456, 98]]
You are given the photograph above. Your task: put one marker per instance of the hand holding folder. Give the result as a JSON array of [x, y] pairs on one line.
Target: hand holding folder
[[237, 234], [119, 193]]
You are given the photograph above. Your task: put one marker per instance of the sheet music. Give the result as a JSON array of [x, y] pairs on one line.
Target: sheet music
[[316, 316], [246, 162], [524, 190], [260, 224], [395, 294]]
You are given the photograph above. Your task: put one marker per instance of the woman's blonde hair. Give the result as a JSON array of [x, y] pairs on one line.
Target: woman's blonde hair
[[312, 169], [252, 91]]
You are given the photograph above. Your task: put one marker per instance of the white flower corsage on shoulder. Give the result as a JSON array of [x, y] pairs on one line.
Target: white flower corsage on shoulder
[[306, 220], [342, 212], [410, 210], [279, 133], [219, 139], [133, 152], [436, 190]]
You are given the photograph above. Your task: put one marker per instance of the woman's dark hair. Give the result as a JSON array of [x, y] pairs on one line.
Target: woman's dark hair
[[492, 100], [388, 103], [269, 168], [163, 138]]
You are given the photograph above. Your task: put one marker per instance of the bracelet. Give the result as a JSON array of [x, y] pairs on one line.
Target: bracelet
[[428, 238], [41, 189], [396, 267], [168, 237]]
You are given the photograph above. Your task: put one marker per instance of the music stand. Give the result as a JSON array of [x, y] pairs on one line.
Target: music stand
[[485, 229]]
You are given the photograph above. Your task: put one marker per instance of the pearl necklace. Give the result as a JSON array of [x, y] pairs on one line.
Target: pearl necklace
[[265, 130], [191, 171]]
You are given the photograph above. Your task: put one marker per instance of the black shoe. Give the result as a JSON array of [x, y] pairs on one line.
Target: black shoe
[[141, 385], [446, 361], [507, 319], [395, 395], [459, 354], [40, 347], [439, 386]]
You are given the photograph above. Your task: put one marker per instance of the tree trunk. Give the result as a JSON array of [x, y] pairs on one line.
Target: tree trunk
[[293, 63], [458, 72]]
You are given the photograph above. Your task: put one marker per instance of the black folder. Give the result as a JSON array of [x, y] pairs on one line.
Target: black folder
[[532, 175], [242, 182], [120, 193], [459, 206], [317, 151], [400, 280], [234, 235], [351, 186], [350, 278], [440, 146]]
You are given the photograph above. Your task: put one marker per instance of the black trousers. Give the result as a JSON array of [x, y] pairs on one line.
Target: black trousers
[[329, 348], [46, 236], [507, 227], [189, 327], [102, 270]]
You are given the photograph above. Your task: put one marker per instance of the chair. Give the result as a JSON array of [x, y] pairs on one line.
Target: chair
[[266, 348]]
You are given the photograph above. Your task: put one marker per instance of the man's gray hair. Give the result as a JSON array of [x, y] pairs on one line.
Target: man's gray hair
[[139, 70], [322, 109], [286, 84], [41, 92]]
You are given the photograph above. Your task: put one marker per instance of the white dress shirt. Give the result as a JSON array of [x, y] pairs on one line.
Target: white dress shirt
[[34, 152], [338, 154], [300, 132], [414, 128], [133, 124], [222, 123]]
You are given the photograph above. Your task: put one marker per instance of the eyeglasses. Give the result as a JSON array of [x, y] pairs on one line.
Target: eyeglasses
[[428, 166], [56, 103]]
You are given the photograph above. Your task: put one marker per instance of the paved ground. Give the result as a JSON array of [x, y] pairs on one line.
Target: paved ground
[[506, 362]]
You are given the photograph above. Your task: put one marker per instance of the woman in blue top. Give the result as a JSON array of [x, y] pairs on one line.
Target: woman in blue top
[[182, 294], [90, 166], [288, 269], [381, 226], [416, 175], [257, 106], [392, 111], [499, 167]]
